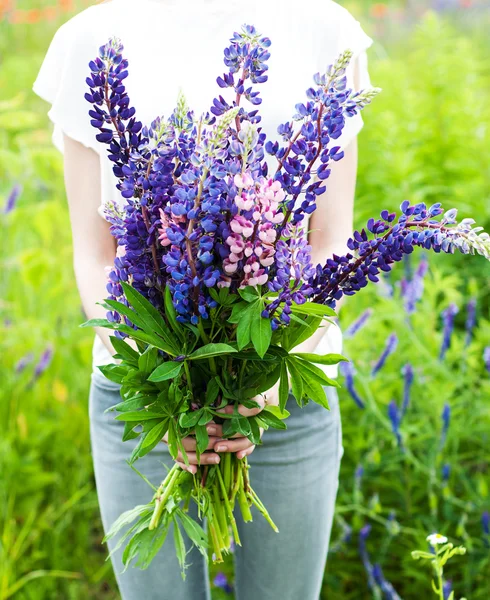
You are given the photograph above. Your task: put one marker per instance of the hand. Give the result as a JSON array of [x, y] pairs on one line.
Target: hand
[[206, 458]]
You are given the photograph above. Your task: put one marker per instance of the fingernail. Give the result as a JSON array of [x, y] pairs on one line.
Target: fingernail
[[212, 430], [221, 448], [215, 459]]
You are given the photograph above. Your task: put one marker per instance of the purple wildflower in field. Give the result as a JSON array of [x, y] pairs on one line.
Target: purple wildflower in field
[[407, 372], [359, 323], [412, 289], [23, 362], [42, 364], [447, 588], [485, 525], [359, 472], [395, 418], [390, 347], [386, 587], [445, 473], [486, 358], [347, 370], [363, 536], [470, 320], [221, 581], [446, 420], [448, 322], [12, 199]]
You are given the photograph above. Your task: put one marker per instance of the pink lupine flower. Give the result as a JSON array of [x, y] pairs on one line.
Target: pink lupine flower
[[164, 241], [243, 180]]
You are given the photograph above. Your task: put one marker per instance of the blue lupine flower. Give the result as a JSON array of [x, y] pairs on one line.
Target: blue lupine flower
[[358, 475], [386, 587], [448, 320], [485, 524], [347, 370], [486, 358], [395, 418], [390, 347], [12, 199], [470, 320], [446, 419], [445, 472], [447, 588], [413, 288], [221, 581], [42, 364], [23, 362], [363, 535], [407, 372], [359, 323]]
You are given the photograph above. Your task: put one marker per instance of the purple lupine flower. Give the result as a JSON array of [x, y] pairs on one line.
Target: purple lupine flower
[[407, 371], [416, 226], [43, 363], [445, 472], [368, 566], [386, 587], [448, 321], [12, 199], [358, 324], [221, 581], [486, 358], [413, 288], [446, 419], [347, 370], [395, 418], [359, 472], [390, 347], [470, 320], [22, 363], [485, 524], [447, 588]]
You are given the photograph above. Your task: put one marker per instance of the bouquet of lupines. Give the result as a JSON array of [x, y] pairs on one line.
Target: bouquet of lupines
[[214, 283]]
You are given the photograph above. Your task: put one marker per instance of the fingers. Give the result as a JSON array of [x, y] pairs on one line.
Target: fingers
[[207, 458], [217, 430], [190, 443], [237, 445], [243, 410], [190, 469], [246, 452]]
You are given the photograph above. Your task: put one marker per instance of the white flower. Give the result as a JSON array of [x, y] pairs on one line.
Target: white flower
[[436, 538]]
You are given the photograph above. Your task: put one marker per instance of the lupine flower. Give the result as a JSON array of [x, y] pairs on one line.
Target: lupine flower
[[447, 588], [359, 323], [386, 587], [485, 524], [413, 288], [446, 419], [390, 347], [12, 199], [448, 320], [42, 364], [407, 372], [470, 320], [221, 581], [358, 475], [347, 370], [363, 535], [395, 418], [23, 362], [445, 472], [486, 358]]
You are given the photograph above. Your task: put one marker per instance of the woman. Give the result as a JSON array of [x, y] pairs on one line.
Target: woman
[[172, 45]]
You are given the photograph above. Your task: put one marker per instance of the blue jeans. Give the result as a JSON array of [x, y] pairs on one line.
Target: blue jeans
[[294, 472]]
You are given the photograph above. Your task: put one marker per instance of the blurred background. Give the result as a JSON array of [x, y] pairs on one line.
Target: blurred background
[[415, 404]]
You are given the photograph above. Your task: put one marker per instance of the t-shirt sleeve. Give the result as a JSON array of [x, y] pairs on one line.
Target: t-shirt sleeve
[[349, 34], [61, 82]]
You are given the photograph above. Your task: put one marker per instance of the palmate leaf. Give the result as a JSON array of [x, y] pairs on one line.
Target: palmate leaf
[[313, 372], [124, 350], [156, 434], [300, 329], [148, 360], [113, 372]]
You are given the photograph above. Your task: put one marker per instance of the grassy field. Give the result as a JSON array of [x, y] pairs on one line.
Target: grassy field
[[426, 138]]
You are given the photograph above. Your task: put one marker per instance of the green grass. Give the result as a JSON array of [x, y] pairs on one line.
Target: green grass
[[427, 139]]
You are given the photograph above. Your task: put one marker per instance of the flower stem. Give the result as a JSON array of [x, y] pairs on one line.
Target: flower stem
[[161, 499], [228, 508]]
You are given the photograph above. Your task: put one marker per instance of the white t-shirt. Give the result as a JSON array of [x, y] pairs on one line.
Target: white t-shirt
[[177, 45]]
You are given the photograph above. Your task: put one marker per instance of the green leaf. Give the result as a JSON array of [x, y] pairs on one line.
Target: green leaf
[[129, 433], [316, 392], [135, 334], [277, 411], [254, 436], [138, 416], [173, 441], [307, 369], [133, 403], [98, 323], [297, 333], [261, 330], [141, 321], [167, 370], [115, 373], [179, 546], [310, 308], [190, 419], [125, 519], [202, 438], [124, 349], [195, 532], [172, 314], [268, 381], [325, 359], [151, 546], [212, 391], [156, 434], [148, 360], [296, 381], [249, 294], [283, 387], [211, 350], [271, 420]]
